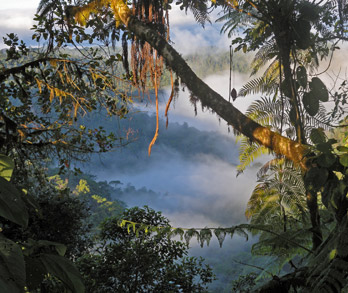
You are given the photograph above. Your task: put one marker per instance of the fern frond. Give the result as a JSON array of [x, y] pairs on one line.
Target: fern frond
[[249, 152], [263, 55], [200, 12]]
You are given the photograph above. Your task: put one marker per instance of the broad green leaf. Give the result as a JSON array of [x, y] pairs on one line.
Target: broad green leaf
[[64, 270], [12, 266], [6, 167], [35, 271], [60, 248], [32, 245], [342, 149], [317, 135], [311, 103], [301, 74], [344, 160], [326, 160], [324, 147], [12, 207], [318, 89]]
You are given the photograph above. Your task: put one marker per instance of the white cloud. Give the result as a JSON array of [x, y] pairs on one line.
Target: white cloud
[[18, 4], [16, 19], [16, 16], [178, 17]]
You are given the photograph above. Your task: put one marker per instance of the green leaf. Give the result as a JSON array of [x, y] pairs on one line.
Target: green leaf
[[324, 147], [318, 89], [35, 272], [332, 254], [64, 270], [301, 74], [344, 160], [12, 266], [317, 136], [60, 248], [6, 167], [342, 149], [310, 103], [326, 160], [12, 207]]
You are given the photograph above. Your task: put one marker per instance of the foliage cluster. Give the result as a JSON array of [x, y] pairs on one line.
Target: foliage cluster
[[129, 261]]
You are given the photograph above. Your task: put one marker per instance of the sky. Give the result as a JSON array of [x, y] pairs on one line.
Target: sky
[[17, 16], [207, 175]]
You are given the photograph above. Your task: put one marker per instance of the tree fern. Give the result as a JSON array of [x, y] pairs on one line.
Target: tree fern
[[266, 53], [249, 152]]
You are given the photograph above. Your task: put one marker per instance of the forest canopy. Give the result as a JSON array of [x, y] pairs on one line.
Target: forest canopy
[[300, 204]]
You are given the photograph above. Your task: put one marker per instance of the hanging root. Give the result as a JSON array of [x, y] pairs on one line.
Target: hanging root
[[170, 98], [154, 80]]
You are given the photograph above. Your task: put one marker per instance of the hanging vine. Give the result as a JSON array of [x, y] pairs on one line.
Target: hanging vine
[[146, 65]]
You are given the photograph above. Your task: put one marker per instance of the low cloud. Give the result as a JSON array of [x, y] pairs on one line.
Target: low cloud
[[18, 21]]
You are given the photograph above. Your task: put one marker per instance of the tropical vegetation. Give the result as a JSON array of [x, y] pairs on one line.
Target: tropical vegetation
[[300, 204]]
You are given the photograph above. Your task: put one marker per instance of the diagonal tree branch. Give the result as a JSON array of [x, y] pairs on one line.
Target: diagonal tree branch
[[292, 150]]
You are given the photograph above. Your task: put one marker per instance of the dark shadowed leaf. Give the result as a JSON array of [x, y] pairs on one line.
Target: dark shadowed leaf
[[318, 89], [64, 270], [311, 103], [12, 267], [317, 135], [35, 271], [326, 160], [12, 207]]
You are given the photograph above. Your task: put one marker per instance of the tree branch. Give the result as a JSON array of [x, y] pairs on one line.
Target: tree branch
[[292, 150], [19, 69]]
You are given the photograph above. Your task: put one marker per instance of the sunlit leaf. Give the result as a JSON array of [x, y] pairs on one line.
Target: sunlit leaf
[[6, 167], [344, 160]]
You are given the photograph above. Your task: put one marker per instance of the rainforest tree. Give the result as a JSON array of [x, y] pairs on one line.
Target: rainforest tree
[[298, 34], [130, 260], [44, 92]]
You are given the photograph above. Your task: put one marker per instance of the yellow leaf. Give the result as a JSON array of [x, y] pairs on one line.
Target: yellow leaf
[[53, 62], [38, 85], [332, 254], [22, 135], [51, 95]]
